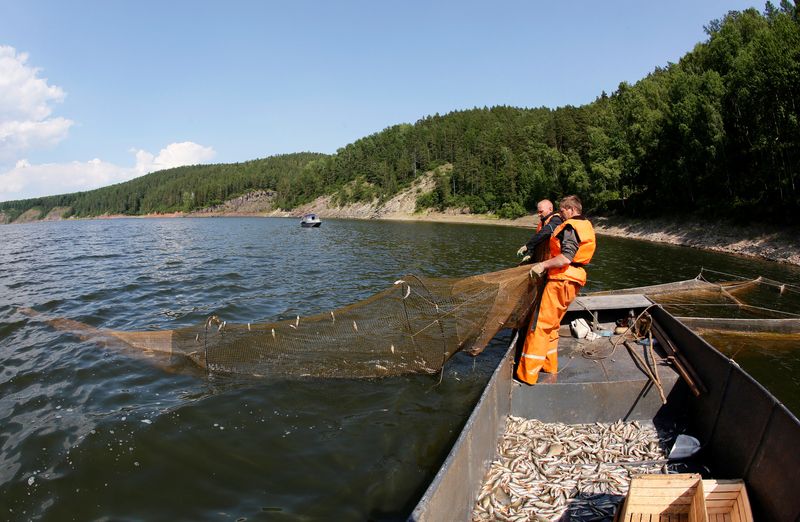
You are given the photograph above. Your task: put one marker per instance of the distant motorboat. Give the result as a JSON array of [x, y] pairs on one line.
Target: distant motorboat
[[310, 220]]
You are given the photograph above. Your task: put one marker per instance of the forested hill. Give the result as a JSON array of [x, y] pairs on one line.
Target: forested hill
[[716, 133], [174, 190]]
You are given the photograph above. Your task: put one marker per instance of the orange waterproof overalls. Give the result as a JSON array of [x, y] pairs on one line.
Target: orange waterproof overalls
[[540, 352]]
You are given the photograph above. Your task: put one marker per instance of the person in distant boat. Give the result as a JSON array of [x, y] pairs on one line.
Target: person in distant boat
[[572, 246], [548, 221]]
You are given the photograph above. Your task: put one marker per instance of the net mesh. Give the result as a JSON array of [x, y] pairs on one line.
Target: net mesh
[[414, 326], [418, 323], [761, 310]]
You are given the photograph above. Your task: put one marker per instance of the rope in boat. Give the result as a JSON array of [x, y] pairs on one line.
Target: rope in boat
[[593, 354], [639, 328], [588, 354]]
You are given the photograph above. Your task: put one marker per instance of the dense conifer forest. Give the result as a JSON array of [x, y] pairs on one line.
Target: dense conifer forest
[[717, 134], [177, 190]]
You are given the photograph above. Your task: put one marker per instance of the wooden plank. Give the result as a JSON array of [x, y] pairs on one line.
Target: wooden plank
[[724, 495], [683, 367], [698, 508], [727, 492], [672, 492], [745, 511], [718, 504], [666, 498], [726, 500], [722, 485], [741, 513], [670, 480]]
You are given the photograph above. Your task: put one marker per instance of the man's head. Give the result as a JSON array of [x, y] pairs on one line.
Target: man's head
[[544, 208], [570, 207]]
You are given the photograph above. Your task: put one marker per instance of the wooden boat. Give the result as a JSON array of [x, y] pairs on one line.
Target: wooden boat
[[310, 221], [744, 431]]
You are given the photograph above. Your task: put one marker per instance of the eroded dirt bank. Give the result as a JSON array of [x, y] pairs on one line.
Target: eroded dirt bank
[[772, 243]]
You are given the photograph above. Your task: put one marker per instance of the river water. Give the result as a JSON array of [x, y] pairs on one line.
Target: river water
[[90, 433]]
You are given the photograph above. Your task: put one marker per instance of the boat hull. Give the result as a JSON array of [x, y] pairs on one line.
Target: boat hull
[[745, 432]]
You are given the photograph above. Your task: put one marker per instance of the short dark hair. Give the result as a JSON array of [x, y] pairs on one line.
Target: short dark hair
[[573, 202]]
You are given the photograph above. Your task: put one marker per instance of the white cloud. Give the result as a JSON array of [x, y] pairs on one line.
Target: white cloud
[[173, 155], [25, 107], [26, 124], [27, 181]]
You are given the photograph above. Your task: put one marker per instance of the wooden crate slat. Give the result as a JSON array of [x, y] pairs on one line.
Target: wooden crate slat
[[665, 498], [727, 500]]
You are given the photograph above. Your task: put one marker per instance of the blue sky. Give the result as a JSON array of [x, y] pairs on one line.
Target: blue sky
[[97, 92]]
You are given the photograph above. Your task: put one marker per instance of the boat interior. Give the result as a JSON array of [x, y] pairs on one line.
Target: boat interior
[[677, 382]]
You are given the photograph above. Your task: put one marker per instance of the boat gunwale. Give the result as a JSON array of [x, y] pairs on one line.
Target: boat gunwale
[[763, 471]]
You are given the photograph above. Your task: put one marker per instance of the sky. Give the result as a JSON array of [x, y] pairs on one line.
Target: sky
[[99, 92]]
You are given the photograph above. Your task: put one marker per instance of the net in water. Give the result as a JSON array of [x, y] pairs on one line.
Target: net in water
[[414, 326]]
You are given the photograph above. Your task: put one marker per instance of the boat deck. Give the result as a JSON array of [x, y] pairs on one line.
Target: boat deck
[[744, 432], [585, 390], [597, 380]]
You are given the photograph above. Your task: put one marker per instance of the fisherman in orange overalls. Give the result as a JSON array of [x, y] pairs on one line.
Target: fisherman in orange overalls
[[572, 245], [548, 221]]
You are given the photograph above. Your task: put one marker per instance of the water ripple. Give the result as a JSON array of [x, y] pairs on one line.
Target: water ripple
[[82, 426]]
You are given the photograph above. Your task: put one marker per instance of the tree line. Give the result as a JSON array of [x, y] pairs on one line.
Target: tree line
[[180, 189], [717, 133]]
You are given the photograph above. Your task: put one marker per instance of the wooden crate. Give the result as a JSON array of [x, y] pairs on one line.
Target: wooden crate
[[665, 498], [726, 501]]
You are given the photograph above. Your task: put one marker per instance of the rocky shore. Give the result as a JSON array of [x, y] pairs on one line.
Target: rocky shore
[[767, 242], [772, 243], [780, 245]]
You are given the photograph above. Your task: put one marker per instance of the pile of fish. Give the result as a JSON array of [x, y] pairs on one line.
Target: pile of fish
[[545, 470]]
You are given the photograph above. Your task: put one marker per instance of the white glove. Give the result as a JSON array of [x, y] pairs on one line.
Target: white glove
[[522, 250], [525, 260], [538, 270]]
